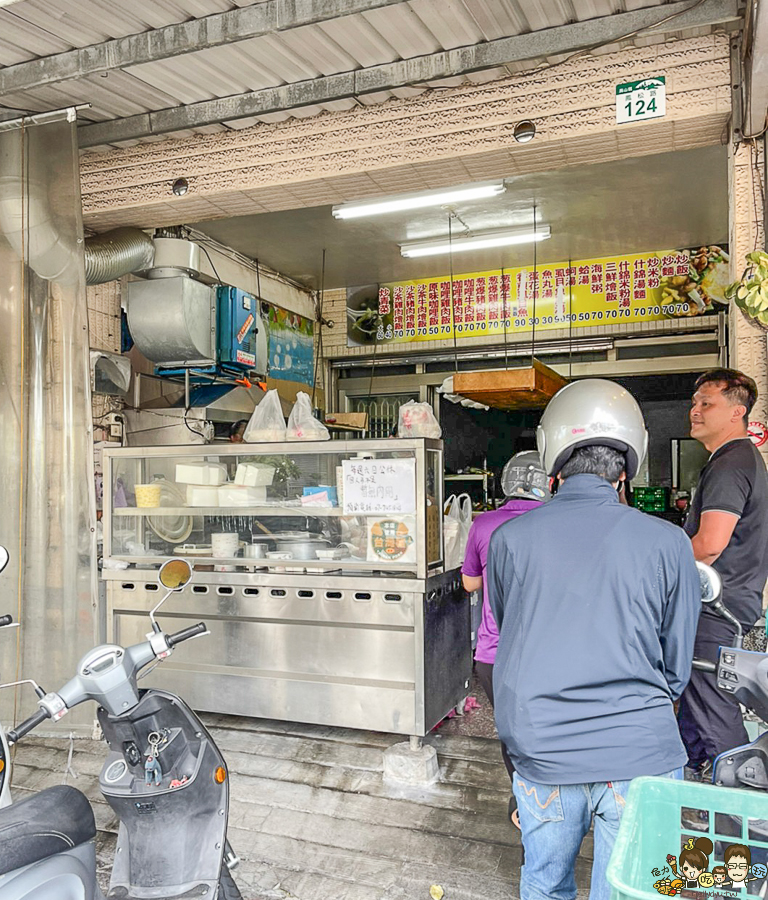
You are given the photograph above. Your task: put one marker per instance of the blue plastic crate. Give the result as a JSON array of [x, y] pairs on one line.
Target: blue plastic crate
[[662, 815]]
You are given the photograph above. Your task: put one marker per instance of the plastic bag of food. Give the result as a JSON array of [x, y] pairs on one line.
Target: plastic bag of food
[[267, 424], [417, 420], [302, 425], [456, 523]]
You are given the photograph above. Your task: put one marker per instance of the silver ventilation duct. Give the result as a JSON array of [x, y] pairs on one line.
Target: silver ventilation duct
[[116, 253], [32, 225]]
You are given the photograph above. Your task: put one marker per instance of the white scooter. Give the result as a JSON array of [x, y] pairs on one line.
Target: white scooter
[[164, 777]]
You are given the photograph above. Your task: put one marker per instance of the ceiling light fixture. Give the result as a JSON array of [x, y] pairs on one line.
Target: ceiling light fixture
[[419, 200], [483, 241]]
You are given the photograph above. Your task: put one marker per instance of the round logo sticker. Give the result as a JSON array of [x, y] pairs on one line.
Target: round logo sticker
[[758, 433], [390, 539]]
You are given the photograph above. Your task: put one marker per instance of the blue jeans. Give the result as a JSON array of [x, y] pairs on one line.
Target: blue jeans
[[554, 820]]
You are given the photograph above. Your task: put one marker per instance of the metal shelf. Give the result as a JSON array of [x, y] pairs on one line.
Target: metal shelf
[[487, 478], [282, 564], [162, 511]]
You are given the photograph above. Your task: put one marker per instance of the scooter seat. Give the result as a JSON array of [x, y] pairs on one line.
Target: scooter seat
[[55, 820]]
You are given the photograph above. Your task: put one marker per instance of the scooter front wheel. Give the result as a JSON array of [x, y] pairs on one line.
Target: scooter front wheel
[[228, 890]]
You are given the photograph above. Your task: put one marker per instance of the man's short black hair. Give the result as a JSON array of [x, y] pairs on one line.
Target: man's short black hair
[[739, 388], [597, 459]]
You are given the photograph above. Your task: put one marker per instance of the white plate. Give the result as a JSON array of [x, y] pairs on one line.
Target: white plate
[[173, 529]]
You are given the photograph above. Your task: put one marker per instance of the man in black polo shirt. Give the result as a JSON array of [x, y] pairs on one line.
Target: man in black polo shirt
[[728, 527]]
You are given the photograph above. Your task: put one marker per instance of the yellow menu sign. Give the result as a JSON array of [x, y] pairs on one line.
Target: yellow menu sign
[[637, 288]]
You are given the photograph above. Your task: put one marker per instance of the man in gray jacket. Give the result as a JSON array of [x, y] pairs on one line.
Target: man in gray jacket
[[597, 605]]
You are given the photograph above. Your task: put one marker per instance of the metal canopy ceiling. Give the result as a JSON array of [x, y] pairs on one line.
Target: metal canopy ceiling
[[654, 203], [190, 52]]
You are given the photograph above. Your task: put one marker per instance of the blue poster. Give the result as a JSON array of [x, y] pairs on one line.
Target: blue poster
[[291, 347]]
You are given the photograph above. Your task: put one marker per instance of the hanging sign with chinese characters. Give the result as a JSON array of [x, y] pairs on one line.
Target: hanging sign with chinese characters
[[640, 100], [643, 287]]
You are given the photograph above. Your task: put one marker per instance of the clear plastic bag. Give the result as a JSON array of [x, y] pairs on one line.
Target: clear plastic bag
[[267, 424], [418, 420], [456, 524], [302, 425], [450, 534]]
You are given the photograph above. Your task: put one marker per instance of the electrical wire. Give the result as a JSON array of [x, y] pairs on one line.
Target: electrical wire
[[535, 288], [570, 319], [504, 316], [200, 237], [546, 66], [319, 317], [189, 427], [621, 37], [746, 138], [453, 301], [111, 412], [218, 277], [373, 367]]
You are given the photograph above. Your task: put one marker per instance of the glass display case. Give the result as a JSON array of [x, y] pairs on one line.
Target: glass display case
[[318, 569], [368, 507]]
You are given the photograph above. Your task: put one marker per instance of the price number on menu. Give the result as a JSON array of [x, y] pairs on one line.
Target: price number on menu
[[639, 100]]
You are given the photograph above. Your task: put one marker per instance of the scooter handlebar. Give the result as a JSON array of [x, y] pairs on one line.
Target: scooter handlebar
[[704, 665], [26, 726], [186, 633], [5, 620]]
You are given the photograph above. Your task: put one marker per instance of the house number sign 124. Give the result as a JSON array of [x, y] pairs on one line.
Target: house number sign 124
[[640, 100]]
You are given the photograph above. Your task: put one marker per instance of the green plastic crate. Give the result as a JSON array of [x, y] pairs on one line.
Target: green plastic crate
[[651, 499], [652, 828]]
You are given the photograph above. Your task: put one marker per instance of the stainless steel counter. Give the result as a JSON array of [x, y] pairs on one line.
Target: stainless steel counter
[[368, 638], [381, 653]]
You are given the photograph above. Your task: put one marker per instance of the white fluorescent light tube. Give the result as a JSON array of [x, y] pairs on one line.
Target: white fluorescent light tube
[[418, 200], [476, 242]]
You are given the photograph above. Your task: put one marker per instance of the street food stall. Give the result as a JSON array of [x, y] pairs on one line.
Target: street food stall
[[318, 570]]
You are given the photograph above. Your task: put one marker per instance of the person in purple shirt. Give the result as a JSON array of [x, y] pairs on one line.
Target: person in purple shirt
[[526, 486]]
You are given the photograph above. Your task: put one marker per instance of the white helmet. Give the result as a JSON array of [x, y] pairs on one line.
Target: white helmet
[[589, 412], [524, 478]]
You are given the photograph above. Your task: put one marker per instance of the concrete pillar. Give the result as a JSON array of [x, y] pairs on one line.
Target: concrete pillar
[[748, 339]]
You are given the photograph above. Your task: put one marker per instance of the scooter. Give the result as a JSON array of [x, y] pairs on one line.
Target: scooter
[[164, 777], [743, 673], [5, 756]]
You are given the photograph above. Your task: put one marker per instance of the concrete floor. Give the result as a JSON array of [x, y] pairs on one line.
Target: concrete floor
[[312, 817]]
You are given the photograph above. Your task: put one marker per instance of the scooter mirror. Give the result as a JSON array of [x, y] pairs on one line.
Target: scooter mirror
[[175, 574], [3, 558], [711, 583]]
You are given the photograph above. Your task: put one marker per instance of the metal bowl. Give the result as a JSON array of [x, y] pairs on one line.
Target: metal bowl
[[302, 549], [257, 550]]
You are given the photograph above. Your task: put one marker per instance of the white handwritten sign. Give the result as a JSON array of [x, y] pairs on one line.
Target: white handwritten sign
[[376, 486]]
